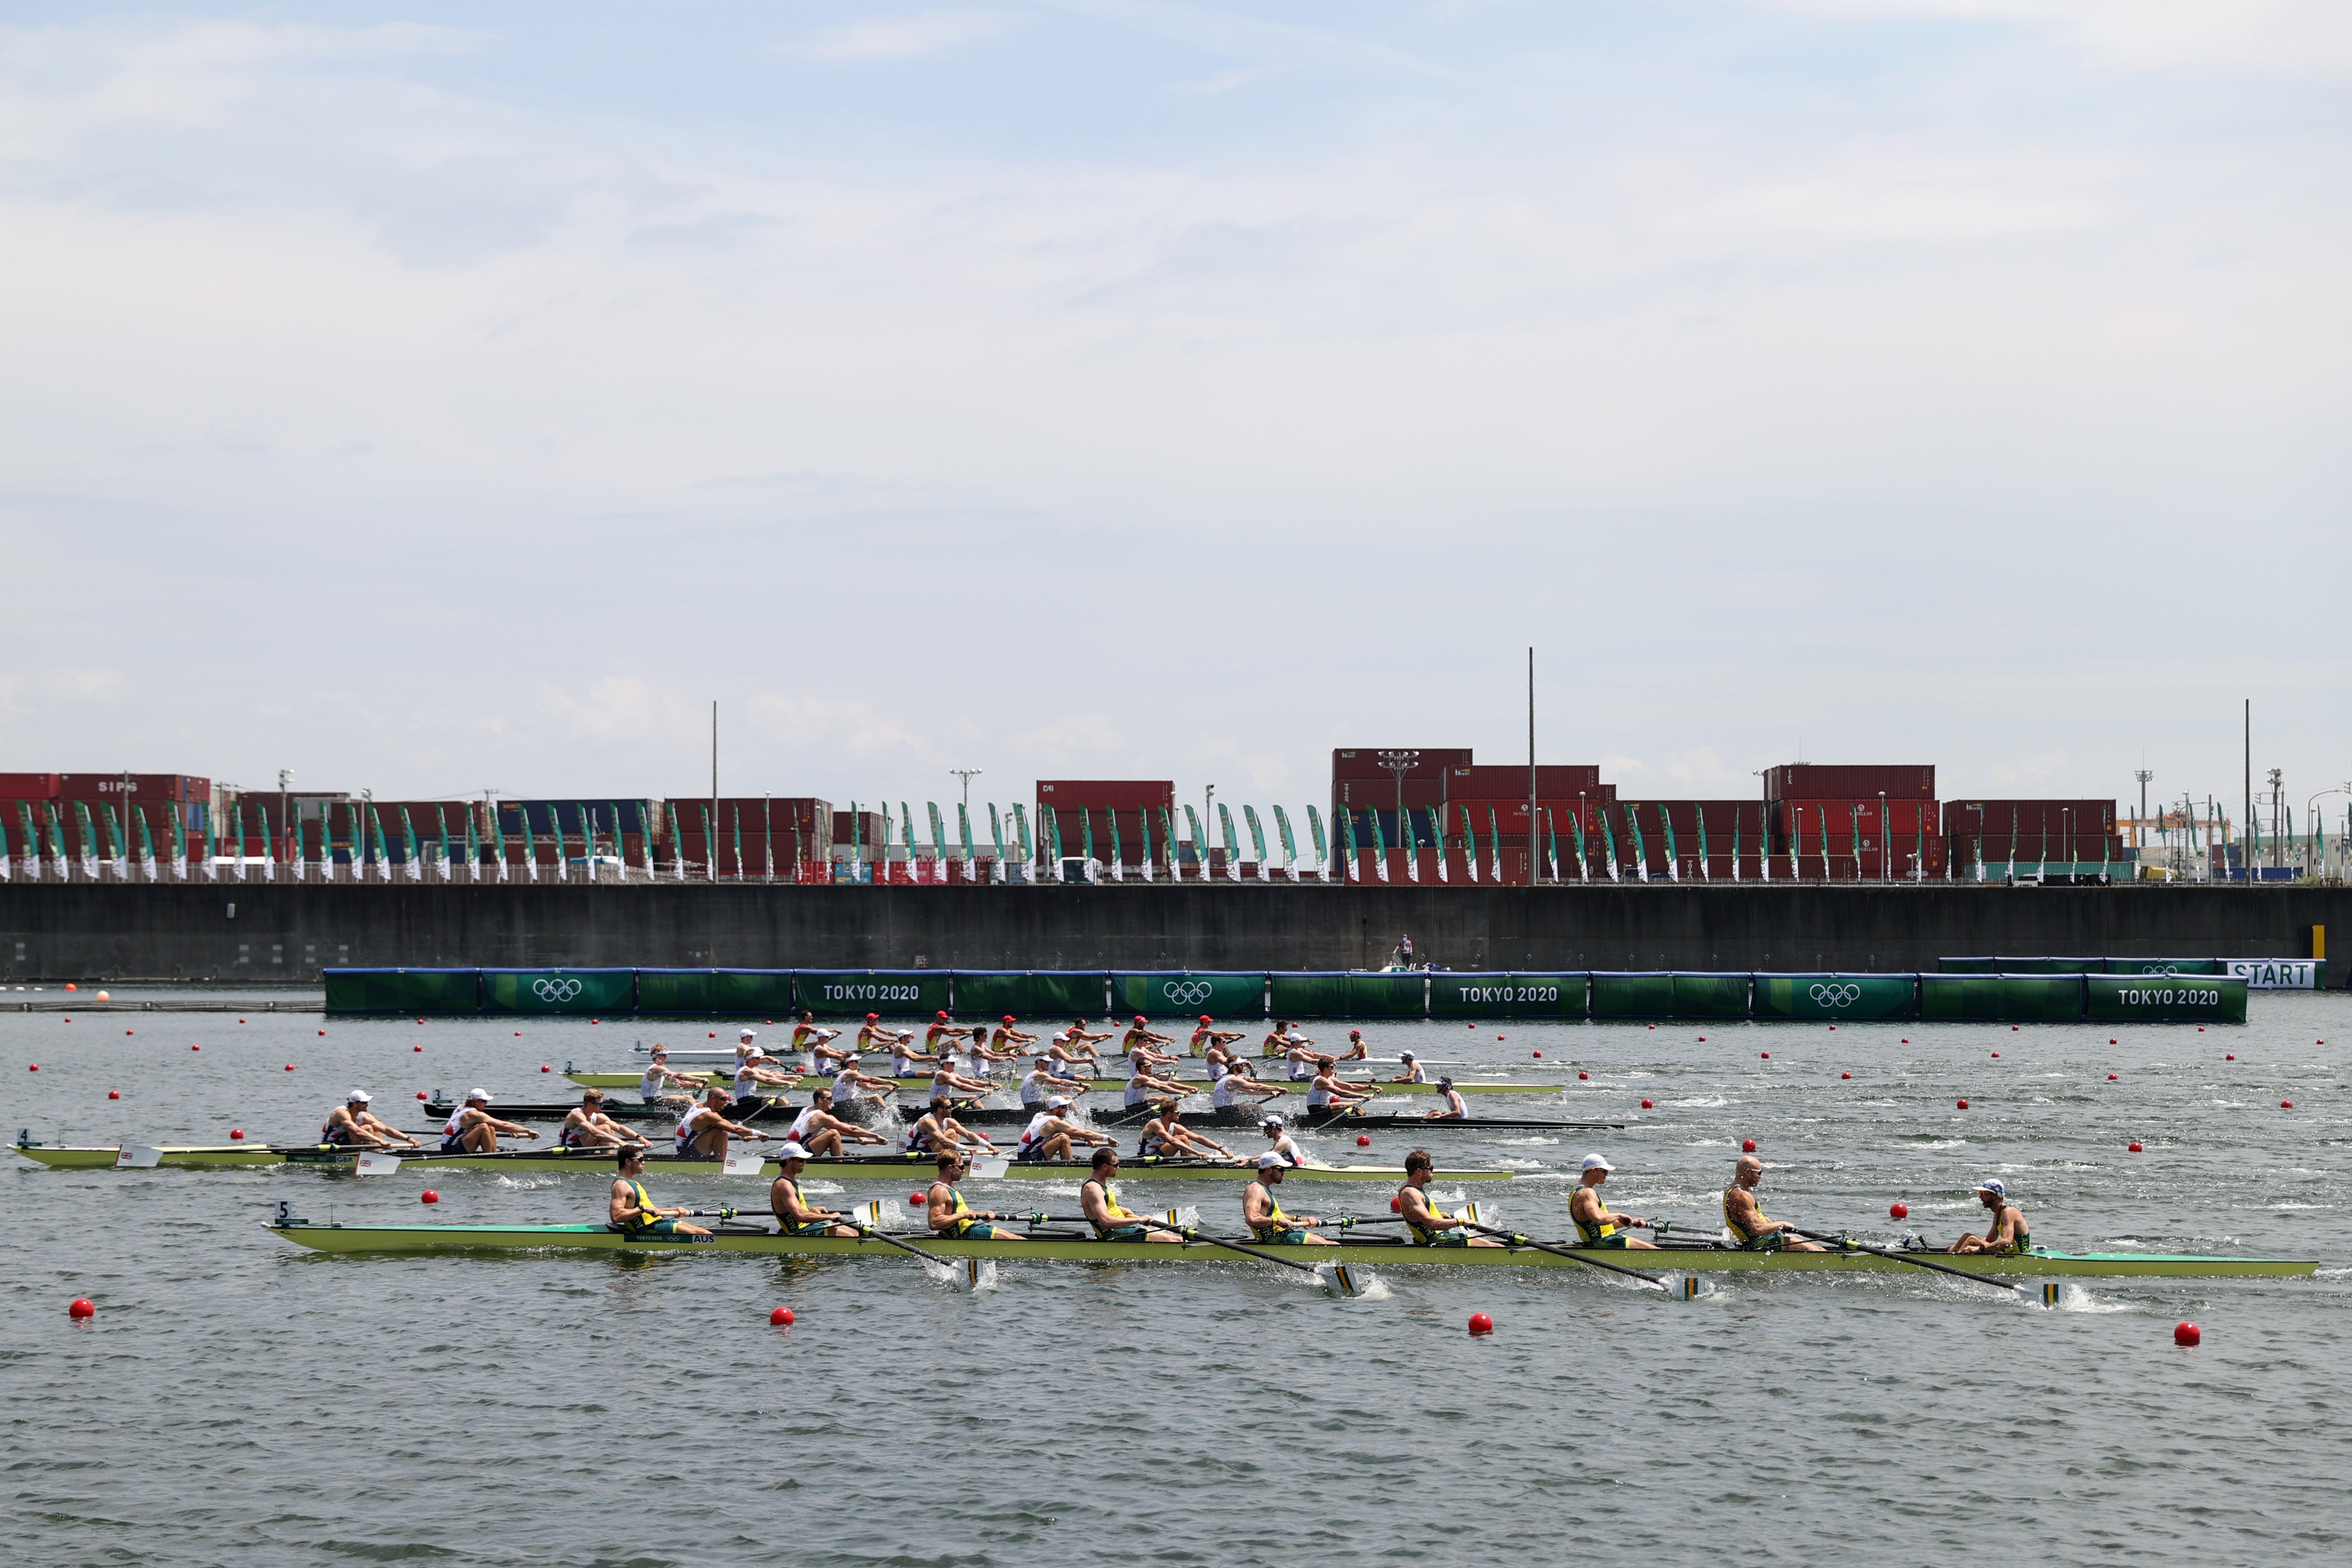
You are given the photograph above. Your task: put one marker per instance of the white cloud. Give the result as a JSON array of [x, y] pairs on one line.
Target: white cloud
[[911, 35], [2283, 37]]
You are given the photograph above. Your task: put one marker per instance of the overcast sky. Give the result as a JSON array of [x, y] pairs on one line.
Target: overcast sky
[[430, 398]]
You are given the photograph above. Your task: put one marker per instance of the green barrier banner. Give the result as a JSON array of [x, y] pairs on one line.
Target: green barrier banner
[[2052, 965], [727, 993], [1710, 995], [1633, 995], [1453, 995], [2166, 999], [1171, 994], [2042, 998], [2166, 966], [1036, 993], [585, 991], [1834, 998], [1339, 994], [420, 993], [1960, 998], [895, 992]]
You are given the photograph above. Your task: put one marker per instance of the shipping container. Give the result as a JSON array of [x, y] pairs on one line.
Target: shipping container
[[1504, 780], [1364, 762], [28, 786], [143, 786], [1820, 781], [1989, 817], [1124, 794]]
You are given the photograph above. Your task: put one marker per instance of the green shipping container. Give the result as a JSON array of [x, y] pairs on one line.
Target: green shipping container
[[894, 993], [2166, 999], [1453, 995], [419, 993], [1669, 995], [1029, 994], [582, 992], [1340, 995], [1171, 994], [2166, 966], [716, 993], [1834, 998]]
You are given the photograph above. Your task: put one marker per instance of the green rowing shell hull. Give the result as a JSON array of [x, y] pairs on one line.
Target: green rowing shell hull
[[599, 1238]]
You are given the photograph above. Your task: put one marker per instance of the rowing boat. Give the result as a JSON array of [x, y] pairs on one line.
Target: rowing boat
[[921, 1084], [1063, 1247], [1018, 1116], [864, 1168]]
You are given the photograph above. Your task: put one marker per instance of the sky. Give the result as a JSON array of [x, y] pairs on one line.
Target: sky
[[433, 399]]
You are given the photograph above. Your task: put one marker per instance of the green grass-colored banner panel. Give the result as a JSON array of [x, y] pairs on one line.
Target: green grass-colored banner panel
[[1968, 965], [420, 993], [1316, 994], [2052, 965], [1453, 995], [1387, 996], [563, 991], [1041, 993], [721, 993], [1834, 998], [1633, 995], [1169, 993], [2042, 998], [893, 992], [1339, 994], [2166, 999], [1711, 995], [2166, 966], [1960, 998]]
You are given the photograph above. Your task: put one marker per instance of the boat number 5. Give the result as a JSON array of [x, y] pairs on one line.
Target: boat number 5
[[285, 1212]]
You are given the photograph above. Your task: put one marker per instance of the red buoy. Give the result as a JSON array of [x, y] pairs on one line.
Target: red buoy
[[917, 1198], [518, 1035], [1845, 1075], [83, 1307], [1363, 1141], [1480, 1324], [1833, 1028], [2111, 1041], [1654, 1025], [1396, 1205], [1898, 1211], [420, 1022], [782, 1318], [1767, 1056], [237, 1135], [2134, 1147], [2012, 1028], [1907, 1039], [2286, 1105], [544, 1068], [130, 1031], [35, 1067], [1539, 1056], [195, 1047], [2229, 1058], [71, 986], [1499, 1037], [1996, 1055], [1964, 1105], [2111, 1078], [1584, 1075], [595, 1020], [2186, 1334], [322, 1034], [240, 1020], [1646, 1105], [114, 1094], [1748, 1146], [420, 1094], [428, 1196], [714, 1033], [417, 1048], [289, 1067]]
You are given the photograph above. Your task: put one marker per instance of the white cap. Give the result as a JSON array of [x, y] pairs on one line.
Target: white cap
[[1993, 1187], [1269, 1160], [1057, 1102], [1274, 1122], [1595, 1163], [1406, 1056], [750, 1033], [792, 1151], [481, 1094], [359, 1097]]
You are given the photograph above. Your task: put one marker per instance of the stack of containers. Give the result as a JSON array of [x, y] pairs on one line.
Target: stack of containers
[[769, 826], [1889, 810], [1078, 808], [2065, 834], [124, 798]]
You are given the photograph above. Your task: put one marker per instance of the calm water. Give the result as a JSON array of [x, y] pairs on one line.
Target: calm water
[[238, 1401]]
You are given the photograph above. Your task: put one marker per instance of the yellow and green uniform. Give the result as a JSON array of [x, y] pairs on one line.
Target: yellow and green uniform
[[1443, 1234], [1134, 1232], [2024, 1242], [802, 1227], [1277, 1230], [1762, 1238], [1594, 1234], [645, 1223], [977, 1229]]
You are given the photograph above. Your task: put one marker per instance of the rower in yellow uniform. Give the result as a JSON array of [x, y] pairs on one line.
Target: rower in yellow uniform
[[953, 1218], [2006, 1235], [795, 1216], [631, 1209], [1264, 1214], [1752, 1230], [1431, 1225], [1100, 1204], [1595, 1225]]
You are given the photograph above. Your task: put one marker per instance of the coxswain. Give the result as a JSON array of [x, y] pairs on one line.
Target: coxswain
[[587, 1127], [2006, 1235], [1042, 1084], [658, 1072], [1595, 1225], [1356, 1048], [1282, 1143], [704, 1128], [938, 1129], [1264, 1216], [795, 1214], [1431, 1225], [1050, 1134], [1144, 1086], [1327, 1094], [1241, 1081], [631, 1209], [1751, 1229], [1413, 1071], [950, 1215], [851, 1085], [1205, 1034], [820, 1131], [1099, 1203], [1449, 1104], [814, 1045], [353, 1125], [472, 1130], [1166, 1137]]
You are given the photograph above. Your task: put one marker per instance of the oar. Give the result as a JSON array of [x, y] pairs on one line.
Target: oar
[[1517, 1240], [1333, 1276], [970, 1269], [1850, 1244]]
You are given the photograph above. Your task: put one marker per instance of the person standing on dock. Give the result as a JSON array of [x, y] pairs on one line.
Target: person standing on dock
[[587, 1127], [704, 1130], [631, 1209], [1595, 1225], [2006, 1235], [1431, 1225], [795, 1214], [1263, 1213], [820, 1131], [1099, 1203], [472, 1130], [1751, 1229], [353, 1126]]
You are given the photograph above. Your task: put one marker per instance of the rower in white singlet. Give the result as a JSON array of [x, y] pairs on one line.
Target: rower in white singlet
[[1413, 1071], [820, 1131], [650, 1089], [472, 1130], [1281, 1142], [1050, 1134], [1242, 1083]]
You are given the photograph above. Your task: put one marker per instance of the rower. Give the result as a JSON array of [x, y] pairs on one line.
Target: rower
[[1356, 1048], [1050, 1134], [941, 1037], [472, 1130], [906, 1061], [950, 1215], [2006, 1235], [815, 1046], [1165, 1138], [631, 1209], [1595, 1225], [938, 1129], [1283, 1144], [1449, 1105], [704, 1128], [1144, 1086], [1141, 1045], [1205, 1035], [795, 1214], [1751, 1230], [1413, 1071], [589, 1128], [1241, 1081], [1008, 1040], [820, 1131], [1074, 1045], [1264, 1216], [873, 1036], [1220, 1060], [1431, 1225], [850, 1087], [981, 1054], [1042, 1084], [1327, 1094], [946, 1080], [660, 1072], [755, 1071], [353, 1125], [1100, 1204]]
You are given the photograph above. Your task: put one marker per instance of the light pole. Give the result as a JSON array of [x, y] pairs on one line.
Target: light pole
[[1885, 840], [963, 822], [1208, 816], [2143, 775], [2307, 817], [1401, 763]]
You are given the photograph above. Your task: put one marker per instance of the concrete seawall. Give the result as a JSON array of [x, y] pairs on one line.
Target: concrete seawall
[[263, 931]]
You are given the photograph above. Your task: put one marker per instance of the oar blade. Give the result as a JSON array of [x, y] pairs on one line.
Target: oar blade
[[991, 1168], [1338, 1279], [131, 1158], [375, 1162], [745, 1162]]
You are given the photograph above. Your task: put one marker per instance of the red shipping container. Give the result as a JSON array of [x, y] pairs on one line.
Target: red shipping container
[[1989, 817], [1906, 819], [1364, 762], [142, 786], [28, 786], [1504, 780], [1380, 794], [1820, 781], [1126, 794]]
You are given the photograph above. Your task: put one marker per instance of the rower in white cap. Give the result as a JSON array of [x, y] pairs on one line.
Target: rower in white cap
[[472, 1130], [1595, 1225], [1050, 1135], [1264, 1214], [2007, 1233], [795, 1214], [1282, 1143], [1449, 1104], [354, 1125], [1413, 1071]]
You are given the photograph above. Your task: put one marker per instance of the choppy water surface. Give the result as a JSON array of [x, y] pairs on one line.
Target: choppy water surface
[[238, 1401]]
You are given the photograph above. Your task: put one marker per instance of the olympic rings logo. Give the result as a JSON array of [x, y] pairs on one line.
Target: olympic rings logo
[[1187, 993], [555, 990], [1841, 995]]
